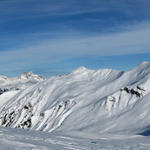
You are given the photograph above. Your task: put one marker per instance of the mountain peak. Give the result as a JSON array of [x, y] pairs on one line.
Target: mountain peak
[[80, 69], [145, 62], [31, 75], [144, 65], [3, 78]]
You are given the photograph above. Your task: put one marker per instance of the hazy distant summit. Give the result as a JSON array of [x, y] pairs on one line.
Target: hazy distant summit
[[31, 75]]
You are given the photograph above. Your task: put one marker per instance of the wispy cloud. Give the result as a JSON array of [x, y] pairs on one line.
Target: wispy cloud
[[130, 40], [35, 32], [55, 50], [72, 7]]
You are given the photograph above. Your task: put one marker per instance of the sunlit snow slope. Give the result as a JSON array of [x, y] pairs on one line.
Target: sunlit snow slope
[[83, 102]]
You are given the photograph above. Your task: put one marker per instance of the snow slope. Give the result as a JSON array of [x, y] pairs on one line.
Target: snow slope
[[19, 139], [85, 102]]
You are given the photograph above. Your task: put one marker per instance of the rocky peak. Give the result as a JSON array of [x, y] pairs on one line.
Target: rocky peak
[[31, 76]]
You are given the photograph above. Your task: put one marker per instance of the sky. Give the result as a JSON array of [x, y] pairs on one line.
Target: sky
[[53, 37]]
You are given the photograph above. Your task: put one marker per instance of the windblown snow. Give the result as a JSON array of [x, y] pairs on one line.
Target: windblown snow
[[85, 103]]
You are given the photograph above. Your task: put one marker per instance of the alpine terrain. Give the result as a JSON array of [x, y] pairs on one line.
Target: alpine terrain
[[86, 109]]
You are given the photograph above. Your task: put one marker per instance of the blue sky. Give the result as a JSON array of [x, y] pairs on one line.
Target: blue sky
[[52, 37]]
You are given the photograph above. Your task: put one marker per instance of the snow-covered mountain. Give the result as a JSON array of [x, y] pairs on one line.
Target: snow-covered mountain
[[85, 102], [25, 80]]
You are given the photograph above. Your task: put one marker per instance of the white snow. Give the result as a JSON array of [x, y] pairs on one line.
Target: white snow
[[101, 105], [18, 139]]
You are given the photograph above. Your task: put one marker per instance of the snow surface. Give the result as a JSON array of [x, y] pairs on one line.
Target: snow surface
[[19, 139], [108, 106]]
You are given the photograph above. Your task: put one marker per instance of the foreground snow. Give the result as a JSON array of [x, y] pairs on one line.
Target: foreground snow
[[19, 139]]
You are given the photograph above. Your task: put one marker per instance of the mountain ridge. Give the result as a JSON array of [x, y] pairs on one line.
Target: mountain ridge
[[90, 101]]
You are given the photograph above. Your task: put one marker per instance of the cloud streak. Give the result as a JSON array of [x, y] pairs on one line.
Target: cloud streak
[[72, 7], [35, 32], [55, 50]]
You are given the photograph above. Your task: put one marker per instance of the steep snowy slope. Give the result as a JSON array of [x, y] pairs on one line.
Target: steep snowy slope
[[83, 102]]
